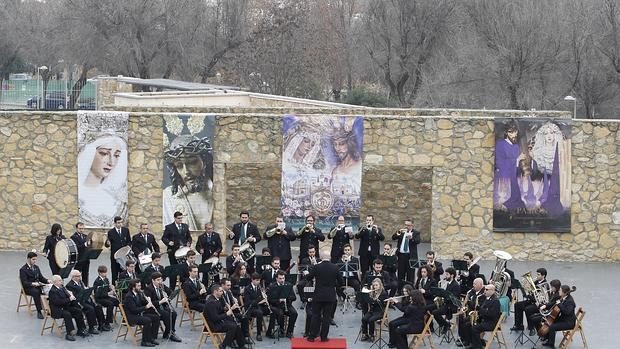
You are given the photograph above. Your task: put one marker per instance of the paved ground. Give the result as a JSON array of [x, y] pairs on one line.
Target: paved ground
[[597, 292]]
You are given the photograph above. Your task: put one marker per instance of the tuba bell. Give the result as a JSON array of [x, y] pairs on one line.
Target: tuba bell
[[501, 279]]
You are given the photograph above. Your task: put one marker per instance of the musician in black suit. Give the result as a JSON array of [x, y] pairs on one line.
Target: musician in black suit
[[488, 315], [279, 237], [209, 243], [32, 281], [369, 236], [413, 313], [190, 260], [407, 241], [118, 237], [377, 271], [340, 238], [105, 294], [566, 320], [281, 306], [93, 311], [155, 266], [467, 277], [528, 303], [159, 293], [326, 278], [82, 243], [473, 300], [63, 305], [255, 304], [220, 319], [435, 265], [448, 308], [143, 240], [424, 283], [305, 266], [245, 231], [353, 278], [195, 291], [49, 248], [231, 301], [233, 260], [136, 306], [130, 271], [176, 235], [309, 235], [269, 275]]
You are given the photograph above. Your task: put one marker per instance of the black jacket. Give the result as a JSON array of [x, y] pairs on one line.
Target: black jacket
[[415, 317], [215, 313], [118, 241], [251, 230], [209, 245], [80, 242], [307, 239], [139, 244], [50, 246], [269, 276], [567, 310], [58, 300], [489, 311], [280, 244], [455, 288], [340, 239], [251, 297], [231, 264], [180, 238], [413, 244], [150, 269], [369, 238], [327, 279], [102, 287], [430, 282], [150, 292], [273, 297], [76, 289], [135, 305], [192, 293], [370, 275], [28, 275]]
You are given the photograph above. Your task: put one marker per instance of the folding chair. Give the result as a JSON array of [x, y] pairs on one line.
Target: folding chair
[[497, 334], [418, 338], [133, 330], [568, 335], [48, 317], [27, 299], [191, 314], [216, 337]]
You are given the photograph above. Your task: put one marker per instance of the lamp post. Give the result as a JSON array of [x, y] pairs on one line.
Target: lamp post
[[574, 100], [43, 67]]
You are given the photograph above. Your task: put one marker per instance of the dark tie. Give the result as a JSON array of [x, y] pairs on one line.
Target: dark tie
[[157, 291], [119, 232]]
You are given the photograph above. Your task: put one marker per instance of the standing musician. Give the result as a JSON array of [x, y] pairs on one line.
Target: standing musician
[[566, 319], [32, 281], [377, 296], [63, 305], [407, 240], [155, 265], [256, 304], [159, 294], [281, 307], [424, 283], [265, 252], [93, 311], [245, 231], [401, 304], [118, 237], [209, 243], [221, 319], [279, 238], [307, 263], [473, 299], [488, 316], [49, 249], [136, 305], [309, 236], [369, 236], [82, 243], [528, 303], [269, 275], [340, 238], [233, 260], [195, 291], [230, 301], [176, 235], [414, 314], [467, 277], [435, 265], [105, 294], [144, 240], [448, 308]]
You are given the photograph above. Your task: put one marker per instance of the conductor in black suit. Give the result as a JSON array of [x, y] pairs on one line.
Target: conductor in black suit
[[119, 237], [369, 236], [279, 237], [82, 243], [176, 235], [245, 231], [327, 279], [143, 240], [406, 249]]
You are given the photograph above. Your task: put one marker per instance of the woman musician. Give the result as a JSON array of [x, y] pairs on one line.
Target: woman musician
[[414, 314], [404, 301], [566, 318], [375, 301], [424, 282], [239, 279]]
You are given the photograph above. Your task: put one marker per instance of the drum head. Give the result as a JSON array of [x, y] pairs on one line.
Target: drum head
[[96, 240], [502, 254], [244, 247], [123, 251], [181, 252], [145, 259], [61, 253]]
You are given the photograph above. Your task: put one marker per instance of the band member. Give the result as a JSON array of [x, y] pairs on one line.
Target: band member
[[375, 310], [158, 293], [63, 305], [93, 311], [195, 291], [352, 279], [566, 320], [118, 238], [281, 306], [529, 302], [190, 260], [388, 251], [306, 264], [233, 260], [534, 316], [209, 243], [130, 271], [136, 305], [369, 236], [279, 238], [49, 249], [144, 240], [435, 265], [407, 241], [269, 275], [220, 319], [265, 252], [32, 281], [240, 276], [82, 243], [400, 304], [467, 277], [105, 294], [309, 235], [488, 315], [448, 308], [256, 304], [155, 265], [245, 231], [176, 235], [473, 299], [231, 301], [340, 238], [424, 283], [378, 272], [414, 314]]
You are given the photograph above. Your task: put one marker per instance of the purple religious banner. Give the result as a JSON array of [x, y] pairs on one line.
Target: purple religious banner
[[532, 175]]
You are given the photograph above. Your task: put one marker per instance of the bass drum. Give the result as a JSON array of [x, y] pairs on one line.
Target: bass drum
[[96, 240], [66, 253]]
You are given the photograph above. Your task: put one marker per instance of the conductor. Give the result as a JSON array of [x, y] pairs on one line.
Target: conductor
[[327, 278]]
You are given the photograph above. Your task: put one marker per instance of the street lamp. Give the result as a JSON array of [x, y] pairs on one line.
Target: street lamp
[[43, 67], [574, 100]]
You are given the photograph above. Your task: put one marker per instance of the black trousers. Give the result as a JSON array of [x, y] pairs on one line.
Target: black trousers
[[366, 263], [401, 332], [258, 312], [198, 306], [558, 326], [70, 313], [83, 267], [278, 313], [300, 289], [322, 314], [169, 318], [284, 263], [368, 322], [115, 268], [393, 325], [53, 266], [485, 326], [94, 314], [530, 312], [233, 332], [519, 310], [35, 293], [464, 329], [405, 273], [150, 326], [439, 313], [109, 303]]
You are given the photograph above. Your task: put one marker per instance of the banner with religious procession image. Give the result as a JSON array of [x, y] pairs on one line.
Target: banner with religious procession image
[[322, 169], [188, 169], [532, 175], [102, 167]]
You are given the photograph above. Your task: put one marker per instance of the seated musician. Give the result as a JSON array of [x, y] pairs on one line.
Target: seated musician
[[435, 265], [137, 308], [448, 308], [128, 274], [195, 291], [63, 305], [220, 319], [190, 260], [353, 278], [231, 301], [238, 277], [488, 315], [401, 305], [387, 251], [528, 305], [269, 275], [93, 311], [378, 272], [306, 264], [414, 314], [265, 252], [32, 281], [105, 294], [536, 317], [424, 282], [466, 278], [566, 319], [375, 305], [281, 306], [159, 293], [256, 304], [473, 299], [155, 266], [234, 259]]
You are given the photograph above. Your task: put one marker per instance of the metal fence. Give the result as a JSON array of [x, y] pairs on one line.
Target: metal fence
[[28, 94]]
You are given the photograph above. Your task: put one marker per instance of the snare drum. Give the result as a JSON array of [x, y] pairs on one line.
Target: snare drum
[[145, 259], [246, 251], [66, 253], [123, 255], [181, 254]]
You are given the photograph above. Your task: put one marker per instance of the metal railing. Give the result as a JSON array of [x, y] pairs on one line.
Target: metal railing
[[28, 94]]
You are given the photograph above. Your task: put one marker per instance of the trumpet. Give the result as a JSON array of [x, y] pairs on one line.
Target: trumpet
[[346, 258], [306, 228], [392, 252]]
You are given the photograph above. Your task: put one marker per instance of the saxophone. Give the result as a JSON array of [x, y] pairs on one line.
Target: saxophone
[[473, 315]]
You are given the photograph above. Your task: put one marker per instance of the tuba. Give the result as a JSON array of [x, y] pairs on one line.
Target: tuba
[[540, 293], [501, 279]]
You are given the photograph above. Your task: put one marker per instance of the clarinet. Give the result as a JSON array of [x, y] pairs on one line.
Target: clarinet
[[233, 312], [148, 299]]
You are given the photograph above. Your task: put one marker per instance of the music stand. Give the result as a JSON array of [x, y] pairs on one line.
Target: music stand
[[281, 292], [416, 264], [91, 254], [459, 265], [348, 270], [262, 261], [84, 295], [388, 262]]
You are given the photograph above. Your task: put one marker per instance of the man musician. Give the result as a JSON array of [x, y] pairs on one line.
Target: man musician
[[137, 306], [377, 272], [160, 297], [309, 235], [195, 291], [269, 275], [369, 236], [245, 231], [190, 260], [93, 311], [279, 237], [256, 304], [233, 260], [144, 240], [448, 308], [340, 238], [176, 235], [129, 273], [32, 281], [352, 278], [82, 243], [105, 294], [467, 277], [407, 240], [435, 265], [306, 264], [209, 243], [230, 301], [281, 306], [118, 237], [221, 319], [473, 299], [528, 305], [155, 265], [63, 305], [488, 315]]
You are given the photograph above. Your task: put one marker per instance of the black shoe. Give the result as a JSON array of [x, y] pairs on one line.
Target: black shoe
[[516, 328], [270, 335], [333, 323], [281, 333], [174, 338], [324, 339], [82, 333], [40, 316], [289, 335], [70, 338], [259, 338], [155, 342], [364, 338], [105, 328], [532, 332], [391, 345], [93, 330], [248, 340], [303, 305], [310, 339], [147, 344]]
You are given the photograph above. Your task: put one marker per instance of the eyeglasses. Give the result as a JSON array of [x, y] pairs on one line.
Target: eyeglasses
[[488, 289]]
